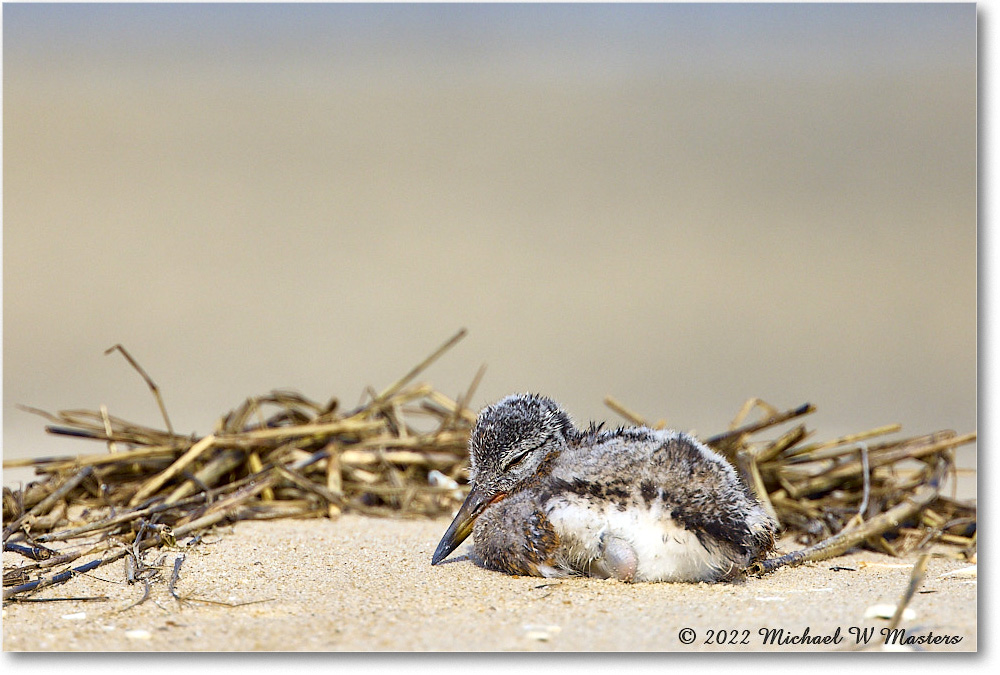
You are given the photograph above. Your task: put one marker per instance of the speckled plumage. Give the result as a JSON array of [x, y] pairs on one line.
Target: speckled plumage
[[635, 504]]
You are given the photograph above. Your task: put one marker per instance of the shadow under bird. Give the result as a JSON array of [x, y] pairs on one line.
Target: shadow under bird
[[635, 504]]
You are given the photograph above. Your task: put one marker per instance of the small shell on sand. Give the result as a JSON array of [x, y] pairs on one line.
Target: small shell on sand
[[897, 648], [540, 633], [887, 611], [961, 573]]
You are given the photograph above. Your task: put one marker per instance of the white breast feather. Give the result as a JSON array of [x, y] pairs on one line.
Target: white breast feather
[[665, 550]]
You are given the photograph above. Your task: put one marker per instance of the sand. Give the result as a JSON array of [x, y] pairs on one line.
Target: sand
[[363, 584]]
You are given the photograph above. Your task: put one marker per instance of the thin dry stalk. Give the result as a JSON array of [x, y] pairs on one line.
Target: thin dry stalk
[[632, 416], [420, 367], [149, 382], [916, 577]]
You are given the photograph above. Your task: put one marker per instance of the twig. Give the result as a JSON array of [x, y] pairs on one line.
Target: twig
[[916, 576], [463, 403], [83, 598], [747, 464], [43, 506], [851, 536], [149, 382], [125, 517], [420, 367], [727, 437], [208, 475], [175, 576], [839, 446], [225, 604], [112, 446], [145, 596], [39, 584], [156, 482], [863, 448], [310, 486], [631, 416], [32, 552]]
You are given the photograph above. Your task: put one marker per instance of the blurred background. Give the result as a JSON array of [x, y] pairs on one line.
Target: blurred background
[[682, 206]]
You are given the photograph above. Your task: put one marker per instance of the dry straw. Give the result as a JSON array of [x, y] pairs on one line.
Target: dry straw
[[403, 452]]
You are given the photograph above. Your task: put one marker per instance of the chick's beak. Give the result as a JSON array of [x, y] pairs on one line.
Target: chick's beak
[[461, 527]]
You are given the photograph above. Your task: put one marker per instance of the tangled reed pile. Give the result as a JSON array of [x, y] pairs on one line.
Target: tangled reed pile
[[836, 494], [153, 488]]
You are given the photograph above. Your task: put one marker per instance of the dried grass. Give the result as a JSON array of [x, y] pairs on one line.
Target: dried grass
[[850, 491], [283, 455]]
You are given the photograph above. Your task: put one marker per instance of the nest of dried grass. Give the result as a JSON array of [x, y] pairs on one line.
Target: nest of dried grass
[[403, 452]]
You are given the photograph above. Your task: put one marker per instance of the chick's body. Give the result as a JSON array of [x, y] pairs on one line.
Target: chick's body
[[634, 504]]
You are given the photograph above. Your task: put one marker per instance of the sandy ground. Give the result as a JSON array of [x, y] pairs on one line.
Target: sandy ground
[[360, 584]]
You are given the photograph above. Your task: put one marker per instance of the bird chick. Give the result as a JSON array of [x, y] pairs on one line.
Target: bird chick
[[634, 504]]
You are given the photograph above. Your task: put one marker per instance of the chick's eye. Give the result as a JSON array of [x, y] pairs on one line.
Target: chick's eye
[[517, 459]]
